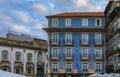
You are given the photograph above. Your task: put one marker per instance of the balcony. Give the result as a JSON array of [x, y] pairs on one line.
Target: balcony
[[5, 63], [109, 36], [98, 57], [84, 42], [113, 14], [84, 70], [68, 43], [68, 70], [30, 64], [55, 70], [68, 57], [85, 58], [55, 58], [113, 50], [40, 63], [98, 70], [100, 43], [18, 63], [54, 43]]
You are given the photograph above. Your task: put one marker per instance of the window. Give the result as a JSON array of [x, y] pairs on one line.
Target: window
[[98, 67], [5, 55], [55, 22], [67, 22], [29, 70], [17, 70], [85, 53], [4, 69], [55, 52], [18, 56], [98, 22], [85, 38], [69, 67], [98, 38], [68, 52], [55, 67], [98, 53], [84, 22], [68, 38], [29, 56], [55, 38], [84, 67], [118, 4]]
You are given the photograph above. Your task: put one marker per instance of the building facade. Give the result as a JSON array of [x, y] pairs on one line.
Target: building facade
[[25, 58], [75, 44], [112, 24]]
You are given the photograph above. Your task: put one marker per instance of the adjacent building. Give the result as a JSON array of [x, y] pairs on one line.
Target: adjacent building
[[24, 57], [112, 25], [75, 43]]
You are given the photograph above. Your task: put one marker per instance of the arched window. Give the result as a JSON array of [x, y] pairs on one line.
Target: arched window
[[4, 69], [5, 55], [29, 57], [18, 56], [17, 70], [29, 70]]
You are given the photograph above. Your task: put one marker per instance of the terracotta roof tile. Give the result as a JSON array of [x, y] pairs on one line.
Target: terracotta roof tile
[[78, 14]]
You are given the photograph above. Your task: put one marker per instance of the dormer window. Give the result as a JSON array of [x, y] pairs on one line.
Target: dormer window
[[98, 22]]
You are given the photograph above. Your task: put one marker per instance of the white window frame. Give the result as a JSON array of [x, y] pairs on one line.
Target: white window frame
[[86, 35], [70, 65], [99, 67], [55, 22], [57, 56], [66, 53], [56, 41], [56, 66], [100, 51], [100, 38], [68, 36], [100, 21], [67, 22], [83, 52], [84, 21], [84, 66]]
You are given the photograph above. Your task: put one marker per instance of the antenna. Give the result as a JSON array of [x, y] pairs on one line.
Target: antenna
[[9, 30]]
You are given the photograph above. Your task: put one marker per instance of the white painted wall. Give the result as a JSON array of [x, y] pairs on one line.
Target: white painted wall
[[11, 57]]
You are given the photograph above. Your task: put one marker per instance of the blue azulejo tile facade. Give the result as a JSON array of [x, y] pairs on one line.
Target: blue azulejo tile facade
[[76, 44]]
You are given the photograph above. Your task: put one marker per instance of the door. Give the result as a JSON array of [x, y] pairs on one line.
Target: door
[[40, 72]]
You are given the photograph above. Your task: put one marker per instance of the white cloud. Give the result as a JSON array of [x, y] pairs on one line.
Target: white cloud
[[39, 26], [93, 8], [20, 28], [23, 16], [40, 8], [81, 3]]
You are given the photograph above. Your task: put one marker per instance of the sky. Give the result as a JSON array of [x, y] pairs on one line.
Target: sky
[[28, 16]]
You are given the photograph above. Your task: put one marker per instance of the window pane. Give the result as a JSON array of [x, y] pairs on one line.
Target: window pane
[[5, 55], [85, 38], [85, 22], [68, 38], [98, 38], [67, 22], [29, 57], [55, 38], [54, 22]]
